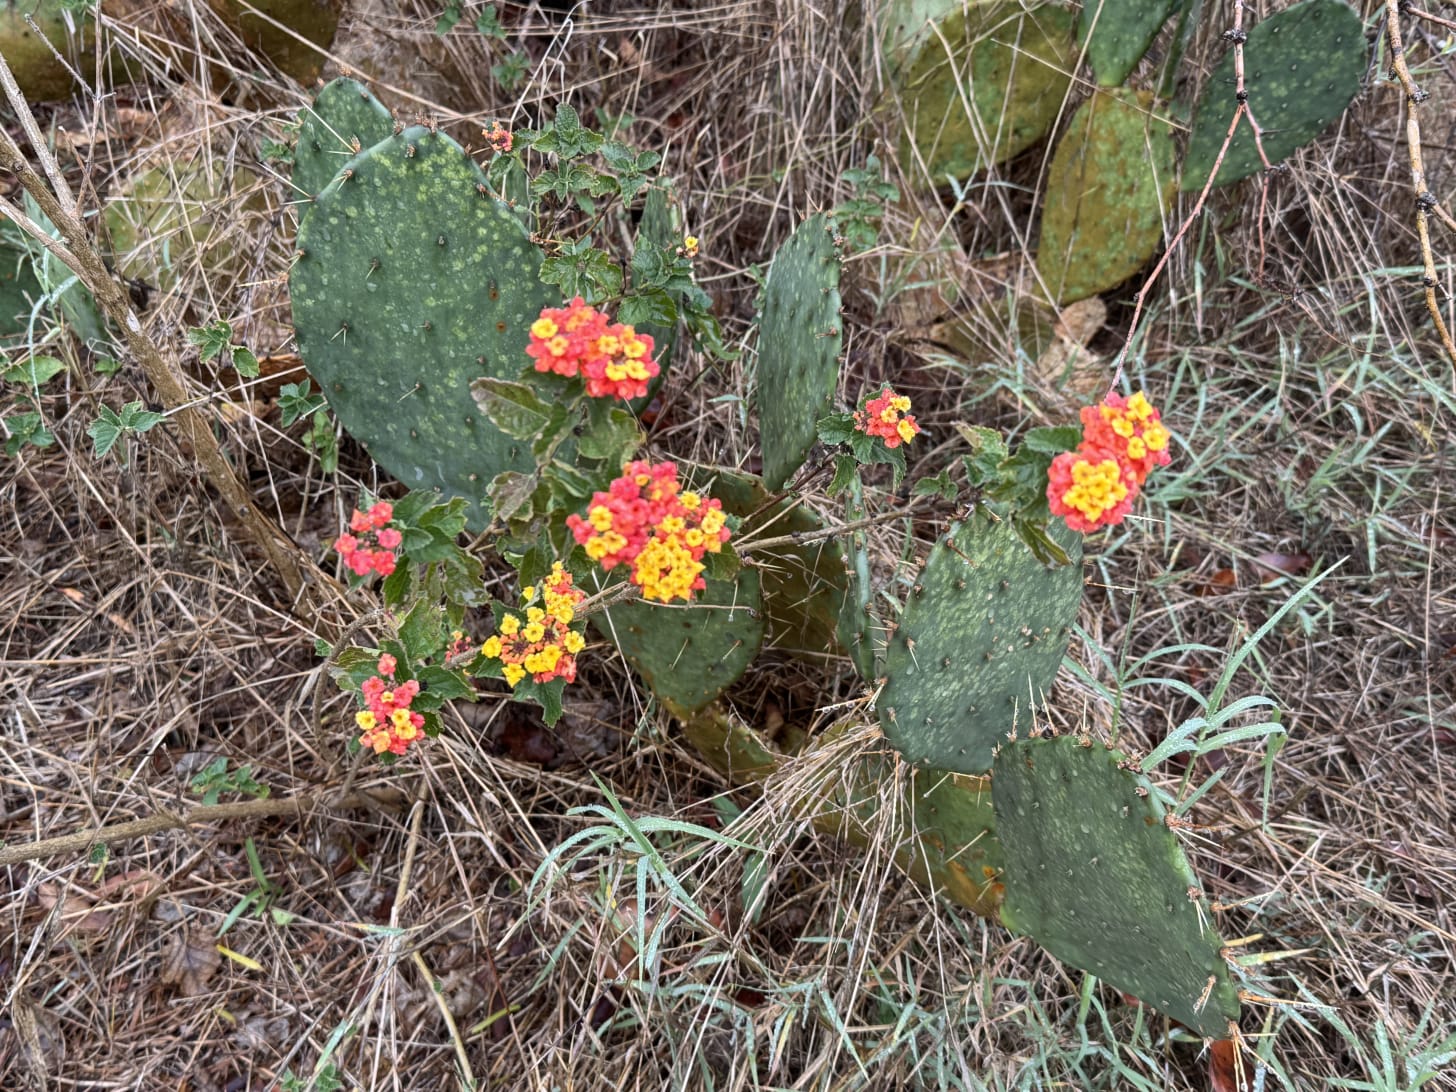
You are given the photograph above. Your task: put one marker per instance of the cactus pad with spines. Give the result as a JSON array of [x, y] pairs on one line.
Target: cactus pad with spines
[[412, 281], [1094, 875], [996, 92], [659, 227], [803, 586], [979, 643], [689, 653], [1116, 34], [343, 120], [1301, 69], [799, 340], [40, 73], [1111, 178]]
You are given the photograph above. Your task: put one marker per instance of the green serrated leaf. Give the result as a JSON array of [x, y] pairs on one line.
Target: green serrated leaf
[[510, 492], [512, 407], [836, 428], [34, 371]]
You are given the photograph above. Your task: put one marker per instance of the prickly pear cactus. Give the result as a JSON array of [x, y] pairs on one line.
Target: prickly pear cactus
[[980, 641], [855, 626], [162, 218], [1111, 178], [803, 586], [689, 654], [343, 120], [411, 282], [1301, 69], [1116, 34], [19, 290], [1095, 877], [906, 25], [305, 24], [997, 91], [956, 824], [660, 228], [41, 75], [799, 340]]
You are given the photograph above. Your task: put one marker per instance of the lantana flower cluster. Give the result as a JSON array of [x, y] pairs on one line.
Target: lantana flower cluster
[[545, 645], [370, 544], [887, 417], [1123, 439], [388, 723], [577, 339], [646, 520]]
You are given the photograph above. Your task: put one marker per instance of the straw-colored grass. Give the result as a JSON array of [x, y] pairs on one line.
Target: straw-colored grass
[[141, 637]]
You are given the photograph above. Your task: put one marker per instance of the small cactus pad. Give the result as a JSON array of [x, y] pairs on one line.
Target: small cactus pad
[[1116, 34], [996, 92], [343, 120], [980, 641], [958, 846], [905, 26], [1301, 69], [799, 340], [1095, 876], [689, 653], [1111, 178], [162, 221], [411, 282], [39, 72], [659, 227], [291, 46], [20, 289], [803, 587]]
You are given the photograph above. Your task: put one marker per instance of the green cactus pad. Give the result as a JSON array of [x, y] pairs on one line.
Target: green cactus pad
[[803, 587], [1116, 34], [659, 226], [799, 340], [41, 75], [1095, 877], [306, 24], [1011, 67], [161, 221], [958, 849], [20, 289], [343, 120], [980, 641], [689, 653], [1301, 69], [1111, 178], [412, 281], [906, 25]]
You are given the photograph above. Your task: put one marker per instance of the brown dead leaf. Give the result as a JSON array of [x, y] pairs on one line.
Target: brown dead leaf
[[189, 963], [1222, 580], [1227, 1072], [93, 912], [1272, 567]]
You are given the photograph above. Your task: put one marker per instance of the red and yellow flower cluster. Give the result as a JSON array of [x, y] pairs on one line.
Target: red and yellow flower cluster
[[887, 418], [387, 723], [371, 545], [545, 646], [645, 520], [1095, 486], [615, 360]]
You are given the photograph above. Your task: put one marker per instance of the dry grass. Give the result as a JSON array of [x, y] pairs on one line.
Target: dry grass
[[139, 639]]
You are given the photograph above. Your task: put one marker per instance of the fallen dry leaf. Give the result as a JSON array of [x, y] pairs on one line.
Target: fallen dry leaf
[[189, 963], [93, 911], [1273, 567], [1227, 1072]]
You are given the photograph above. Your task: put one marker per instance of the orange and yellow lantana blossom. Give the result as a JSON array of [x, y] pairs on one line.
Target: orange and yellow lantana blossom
[[614, 359], [388, 724], [887, 417], [545, 645], [1095, 486], [646, 520]]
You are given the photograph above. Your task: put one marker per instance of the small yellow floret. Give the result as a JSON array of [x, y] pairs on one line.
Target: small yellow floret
[[510, 626], [492, 648], [574, 642], [365, 719]]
